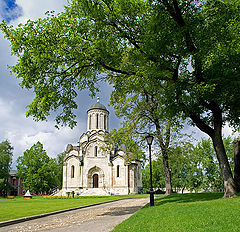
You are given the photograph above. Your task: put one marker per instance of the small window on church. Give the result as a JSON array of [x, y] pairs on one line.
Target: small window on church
[[95, 152], [90, 121], [105, 122], [118, 170], [72, 171], [97, 121]]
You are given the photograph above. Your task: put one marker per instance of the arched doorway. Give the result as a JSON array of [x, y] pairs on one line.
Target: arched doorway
[[95, 181], [95, 178]]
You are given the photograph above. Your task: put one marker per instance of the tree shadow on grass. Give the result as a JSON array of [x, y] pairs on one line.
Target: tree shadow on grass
[[186, 198]]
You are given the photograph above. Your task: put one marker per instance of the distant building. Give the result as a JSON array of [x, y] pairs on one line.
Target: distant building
[[90, 170], [16, 183]]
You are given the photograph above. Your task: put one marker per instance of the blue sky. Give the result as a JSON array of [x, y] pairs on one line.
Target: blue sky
[[10, 10], [10, 4]]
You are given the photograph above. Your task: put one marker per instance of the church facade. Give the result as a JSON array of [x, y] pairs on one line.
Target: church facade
[[88, 169]]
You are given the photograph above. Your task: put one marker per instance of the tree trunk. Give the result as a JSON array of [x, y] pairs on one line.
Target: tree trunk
[[216, 135], [165, 148], [183, 189], [167, 173], [237, 164], [229, 184]]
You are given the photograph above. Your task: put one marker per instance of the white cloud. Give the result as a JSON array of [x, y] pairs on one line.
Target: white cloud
[[34, 9], [228, 131], [23, 132]]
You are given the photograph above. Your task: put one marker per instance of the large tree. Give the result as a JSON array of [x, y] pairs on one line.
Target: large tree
[[38, 171], [142, 108], [189, 48], [5, 163]]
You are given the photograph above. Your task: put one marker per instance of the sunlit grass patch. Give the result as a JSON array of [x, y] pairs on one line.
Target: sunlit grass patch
[[187, 212]]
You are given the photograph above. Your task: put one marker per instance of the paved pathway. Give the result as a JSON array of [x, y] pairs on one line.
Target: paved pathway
[[101, 218]]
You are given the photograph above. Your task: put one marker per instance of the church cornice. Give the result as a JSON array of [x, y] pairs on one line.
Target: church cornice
[[96, 134], [97, 110], [67, 157]]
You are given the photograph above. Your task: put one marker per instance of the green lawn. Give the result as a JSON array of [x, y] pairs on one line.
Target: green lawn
[[187, 212], [19, 207]]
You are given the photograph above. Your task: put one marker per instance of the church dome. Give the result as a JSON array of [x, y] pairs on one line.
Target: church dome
[[98, 106], [98, 117]]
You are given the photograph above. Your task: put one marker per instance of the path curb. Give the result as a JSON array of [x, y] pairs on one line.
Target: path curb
[[19, 220]]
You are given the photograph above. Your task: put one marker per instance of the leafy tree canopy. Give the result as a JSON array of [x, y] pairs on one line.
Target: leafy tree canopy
[[124, 139], [59, 168], [37, 170], [138, 40], [5, 158]]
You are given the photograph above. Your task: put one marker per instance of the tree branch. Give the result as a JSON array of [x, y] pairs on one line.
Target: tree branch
[[116, 70], [201, 125]]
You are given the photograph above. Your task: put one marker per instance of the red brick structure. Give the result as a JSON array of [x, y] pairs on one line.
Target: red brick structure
[[16, 183]]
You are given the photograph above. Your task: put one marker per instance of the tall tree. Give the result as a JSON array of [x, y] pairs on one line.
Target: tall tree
[[141, 107], [186, 172], [5, 163], [37, 170], [59, 168], [192, 47], [209, 165], [157, 176]]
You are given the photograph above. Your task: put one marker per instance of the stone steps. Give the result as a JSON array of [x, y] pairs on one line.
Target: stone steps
[[94, 192]]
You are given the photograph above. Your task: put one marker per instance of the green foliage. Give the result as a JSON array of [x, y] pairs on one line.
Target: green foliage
[[137, 41], [193, 167], [59, 168], [5, 158], [157, 175], [211, 174], [196, 167], [5, 163], [124, 138], [37, 170]]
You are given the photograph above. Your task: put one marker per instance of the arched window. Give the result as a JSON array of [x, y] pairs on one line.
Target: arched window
[[90, 121], [97, 121], [95, 151], [118, 170], [72, 171], [105, 122]]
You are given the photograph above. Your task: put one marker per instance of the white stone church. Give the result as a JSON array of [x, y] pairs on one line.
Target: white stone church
[[88, 169]]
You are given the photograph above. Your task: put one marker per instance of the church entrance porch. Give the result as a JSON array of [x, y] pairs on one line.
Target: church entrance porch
[[95, 181], [95, 178]]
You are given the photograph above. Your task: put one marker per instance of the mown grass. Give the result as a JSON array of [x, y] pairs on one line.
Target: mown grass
[[187, 212], [19, 207]]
